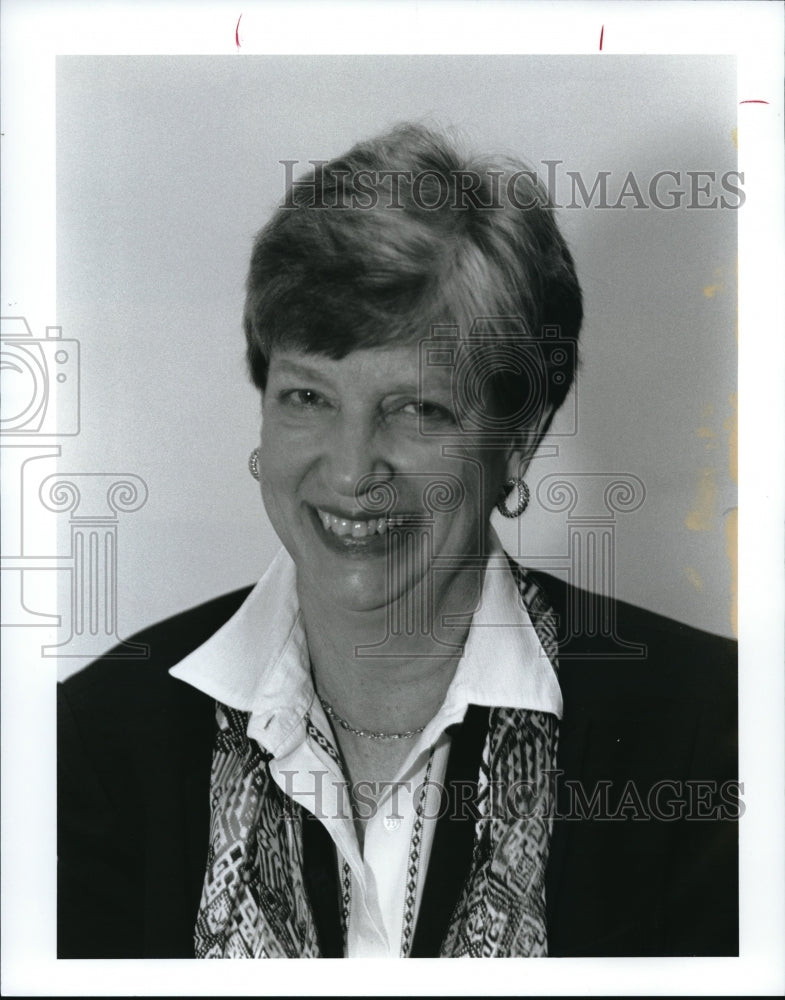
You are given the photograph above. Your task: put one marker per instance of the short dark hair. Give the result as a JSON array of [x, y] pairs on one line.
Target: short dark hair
[[403, 233]]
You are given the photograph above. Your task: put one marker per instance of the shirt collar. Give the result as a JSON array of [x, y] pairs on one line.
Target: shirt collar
[[258, 661], [504, 663]]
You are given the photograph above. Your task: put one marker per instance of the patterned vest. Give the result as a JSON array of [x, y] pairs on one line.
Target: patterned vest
[[254, 901]]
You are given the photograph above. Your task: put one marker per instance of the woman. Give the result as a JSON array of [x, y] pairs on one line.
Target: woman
[[371, 752]]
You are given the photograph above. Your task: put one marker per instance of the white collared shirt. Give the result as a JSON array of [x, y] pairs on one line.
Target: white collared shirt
[[258, 663]]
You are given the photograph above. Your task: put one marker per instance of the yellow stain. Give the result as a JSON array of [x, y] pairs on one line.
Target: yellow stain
[[701, 517], [705, 432], [711, 290], [734, 134], [693, 577], [731, 425], [732, 552]]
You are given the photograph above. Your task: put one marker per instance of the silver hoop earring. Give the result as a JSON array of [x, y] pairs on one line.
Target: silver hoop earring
[[253, 464], [523, 498]]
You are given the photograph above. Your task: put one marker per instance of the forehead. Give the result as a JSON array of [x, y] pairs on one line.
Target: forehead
[[401, 366]]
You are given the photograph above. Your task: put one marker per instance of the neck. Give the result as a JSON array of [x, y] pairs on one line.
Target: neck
[[378, 675]]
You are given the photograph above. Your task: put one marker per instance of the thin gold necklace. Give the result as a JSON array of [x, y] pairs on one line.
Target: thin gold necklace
[[368, 734]]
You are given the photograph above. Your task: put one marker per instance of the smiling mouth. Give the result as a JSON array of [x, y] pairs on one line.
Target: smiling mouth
[[367, 527]]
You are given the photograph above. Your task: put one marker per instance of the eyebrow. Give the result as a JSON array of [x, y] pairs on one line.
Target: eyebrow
[[297, 368], [439, 380]]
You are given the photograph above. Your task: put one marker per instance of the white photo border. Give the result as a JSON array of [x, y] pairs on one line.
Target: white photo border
[[34, 33]]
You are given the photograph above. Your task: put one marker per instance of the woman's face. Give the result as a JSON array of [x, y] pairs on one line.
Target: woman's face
[[337, 435]]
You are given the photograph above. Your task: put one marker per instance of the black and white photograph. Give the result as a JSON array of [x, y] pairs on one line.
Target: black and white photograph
[[375, 516]]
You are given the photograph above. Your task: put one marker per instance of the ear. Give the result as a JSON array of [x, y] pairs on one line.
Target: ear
[[525, 444]]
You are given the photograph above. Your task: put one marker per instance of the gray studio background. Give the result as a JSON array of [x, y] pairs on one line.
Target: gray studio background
[[166, 168]]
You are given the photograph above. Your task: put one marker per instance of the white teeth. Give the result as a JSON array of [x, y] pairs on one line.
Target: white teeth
[[357, 529]]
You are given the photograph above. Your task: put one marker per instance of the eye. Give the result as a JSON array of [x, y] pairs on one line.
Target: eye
[[302, 399], [424, 410]]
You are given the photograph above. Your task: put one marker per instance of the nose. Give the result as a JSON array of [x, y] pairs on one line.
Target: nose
[[355, 451]]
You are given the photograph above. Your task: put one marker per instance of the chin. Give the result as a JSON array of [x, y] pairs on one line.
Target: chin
[[357, 583], [361, 588]]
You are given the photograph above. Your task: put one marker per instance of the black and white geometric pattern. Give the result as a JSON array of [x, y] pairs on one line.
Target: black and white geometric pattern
[[413, 865], [321, 740], [253, 901], [346, 899], [501, 911]]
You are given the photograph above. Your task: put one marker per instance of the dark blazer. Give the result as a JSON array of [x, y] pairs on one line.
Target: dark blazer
[[644, 851]]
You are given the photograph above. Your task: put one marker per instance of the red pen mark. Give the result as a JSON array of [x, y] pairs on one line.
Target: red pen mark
[[237, 32], [602, 34], [753, 102]]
